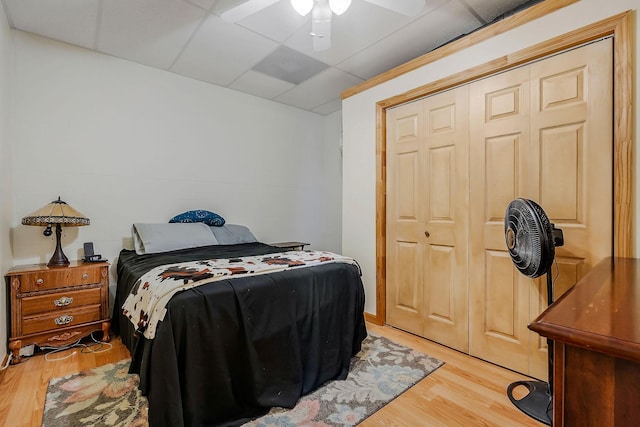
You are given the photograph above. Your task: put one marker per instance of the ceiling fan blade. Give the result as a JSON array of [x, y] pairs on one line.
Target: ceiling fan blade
[[405, 7], [245, 9], [321, 26]]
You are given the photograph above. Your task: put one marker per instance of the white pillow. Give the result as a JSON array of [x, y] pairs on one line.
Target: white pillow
[[154, 238], [231, 234]]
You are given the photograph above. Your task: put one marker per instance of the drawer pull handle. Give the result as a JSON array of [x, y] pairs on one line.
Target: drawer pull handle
[[63, 320], [39, 282], [63, 301], [85, 276]]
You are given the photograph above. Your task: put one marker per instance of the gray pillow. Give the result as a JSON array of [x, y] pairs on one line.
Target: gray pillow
[[231, 234], [154, 238]]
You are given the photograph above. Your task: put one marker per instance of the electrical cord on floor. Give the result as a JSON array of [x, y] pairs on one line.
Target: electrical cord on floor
[[55, 350], [84, 348], [98, 344]]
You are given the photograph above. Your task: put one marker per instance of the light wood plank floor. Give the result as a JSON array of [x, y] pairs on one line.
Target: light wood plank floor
[[464, 392]]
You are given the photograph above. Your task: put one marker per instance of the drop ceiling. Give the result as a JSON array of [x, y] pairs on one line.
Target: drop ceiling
[[268, 54]]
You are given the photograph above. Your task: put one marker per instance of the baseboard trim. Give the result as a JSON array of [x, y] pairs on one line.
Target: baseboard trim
[[372, 318]]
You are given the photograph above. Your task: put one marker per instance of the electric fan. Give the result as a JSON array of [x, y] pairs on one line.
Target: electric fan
[[531, 240]]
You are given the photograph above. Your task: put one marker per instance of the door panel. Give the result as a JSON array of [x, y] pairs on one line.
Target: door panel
[[572, 165], [499, 295], [561, 115], [446, 218], [404, 228]]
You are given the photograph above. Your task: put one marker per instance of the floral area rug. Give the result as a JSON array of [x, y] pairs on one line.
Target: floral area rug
[[378, 374], [109, 396], [103, 396]]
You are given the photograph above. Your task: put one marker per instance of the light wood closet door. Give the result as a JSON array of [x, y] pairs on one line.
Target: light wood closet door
[[561, 157], [405, 228], [499, 170], [571, 142], [446, 207], [427, 220]]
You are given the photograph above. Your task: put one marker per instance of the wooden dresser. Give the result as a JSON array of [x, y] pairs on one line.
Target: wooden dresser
[[596, 331], [57, 306]]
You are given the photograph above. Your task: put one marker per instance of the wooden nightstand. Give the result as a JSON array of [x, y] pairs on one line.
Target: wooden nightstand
[[299, 246], [57, 306]]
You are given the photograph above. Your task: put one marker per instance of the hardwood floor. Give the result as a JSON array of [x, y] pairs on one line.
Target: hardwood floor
[[23, 387], [464, 392]]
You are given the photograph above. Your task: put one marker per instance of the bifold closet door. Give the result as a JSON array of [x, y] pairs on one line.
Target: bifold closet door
[[542, 131], [571, 139], [499, 295], [405, 241], [427, 217]]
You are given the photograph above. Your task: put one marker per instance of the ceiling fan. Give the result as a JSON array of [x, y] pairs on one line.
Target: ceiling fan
[[321, 13]]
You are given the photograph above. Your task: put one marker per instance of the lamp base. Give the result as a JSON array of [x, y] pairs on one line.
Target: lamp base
[[59, 259], [58, 262]]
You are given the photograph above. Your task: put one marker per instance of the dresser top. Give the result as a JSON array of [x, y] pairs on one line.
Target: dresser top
[[601, 312], [26, 268]]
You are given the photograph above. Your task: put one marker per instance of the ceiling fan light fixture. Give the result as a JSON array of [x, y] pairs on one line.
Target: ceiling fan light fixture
[[339, 6], [321, 26], [303, 7]]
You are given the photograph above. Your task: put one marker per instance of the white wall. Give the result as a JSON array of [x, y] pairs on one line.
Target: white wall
[[6, 200], [125, 143], [332, 225], [359, 121]]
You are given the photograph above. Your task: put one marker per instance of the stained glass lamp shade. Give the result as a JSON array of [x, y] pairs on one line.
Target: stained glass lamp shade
[[62, 215]]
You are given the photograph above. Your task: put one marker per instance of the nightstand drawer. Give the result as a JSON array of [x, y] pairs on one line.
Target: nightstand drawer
[[59, 279], [60, 301], [60, 319]]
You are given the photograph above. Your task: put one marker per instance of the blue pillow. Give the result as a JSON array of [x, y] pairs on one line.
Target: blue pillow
[[209, 218]]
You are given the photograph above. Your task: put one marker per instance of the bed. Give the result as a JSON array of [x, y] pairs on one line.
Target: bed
[[228, 350]]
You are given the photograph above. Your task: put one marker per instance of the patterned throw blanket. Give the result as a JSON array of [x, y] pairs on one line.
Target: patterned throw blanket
[[146, 304]]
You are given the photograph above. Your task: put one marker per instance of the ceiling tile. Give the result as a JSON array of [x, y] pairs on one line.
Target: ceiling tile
[[329, 107], [70, 21], [319, 90], [205, 4], [289, 65], [151, 32], [490, 9], [220, 52], [259, 84], [277, 22], [224, 5], [426, 33]]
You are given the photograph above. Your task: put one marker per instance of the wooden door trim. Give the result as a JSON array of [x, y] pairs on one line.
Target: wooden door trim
[[620, 27]]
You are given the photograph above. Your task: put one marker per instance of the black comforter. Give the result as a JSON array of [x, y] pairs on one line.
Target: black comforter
[[229, 350]]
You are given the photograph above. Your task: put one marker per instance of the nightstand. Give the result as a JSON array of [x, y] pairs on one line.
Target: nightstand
[[291, 246], [56, 306]]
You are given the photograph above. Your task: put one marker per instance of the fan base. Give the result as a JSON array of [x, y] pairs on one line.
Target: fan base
[[537, 404]]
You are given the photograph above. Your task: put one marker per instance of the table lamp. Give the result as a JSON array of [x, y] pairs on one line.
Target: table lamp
[[62, 215]]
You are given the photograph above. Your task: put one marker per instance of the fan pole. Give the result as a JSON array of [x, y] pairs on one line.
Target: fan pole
[[550, 341], [538, 404]]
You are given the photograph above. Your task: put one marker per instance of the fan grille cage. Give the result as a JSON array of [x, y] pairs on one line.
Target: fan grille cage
[[528, 234]]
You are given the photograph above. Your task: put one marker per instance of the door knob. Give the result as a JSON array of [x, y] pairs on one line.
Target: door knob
[[426, 234]]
